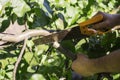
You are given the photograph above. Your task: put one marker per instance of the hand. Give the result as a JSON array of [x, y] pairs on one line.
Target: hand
[[83, 66], [87, 67], [109, 21]]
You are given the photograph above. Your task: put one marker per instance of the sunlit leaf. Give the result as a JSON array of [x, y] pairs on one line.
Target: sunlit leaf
[[37, 77], [72, 14], [20, 7]]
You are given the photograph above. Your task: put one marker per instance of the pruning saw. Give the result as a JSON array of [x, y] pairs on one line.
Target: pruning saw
[[79, 32]]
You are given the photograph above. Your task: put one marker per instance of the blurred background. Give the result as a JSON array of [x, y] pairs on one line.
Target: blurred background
[[43, 62]]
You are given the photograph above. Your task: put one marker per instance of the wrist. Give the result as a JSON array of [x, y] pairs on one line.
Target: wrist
[[98, 65]]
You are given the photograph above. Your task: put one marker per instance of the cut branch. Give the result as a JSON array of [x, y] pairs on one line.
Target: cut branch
[[17, 38], [6, 37]]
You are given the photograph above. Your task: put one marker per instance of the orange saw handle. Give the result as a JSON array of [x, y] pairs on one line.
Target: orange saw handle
[[89, 31]]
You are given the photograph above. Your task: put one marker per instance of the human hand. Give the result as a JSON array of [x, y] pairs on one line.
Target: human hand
[[83, 65], [109, 21]]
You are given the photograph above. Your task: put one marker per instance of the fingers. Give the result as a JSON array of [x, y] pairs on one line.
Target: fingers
[[107, 23], [102, 13], [103, 26]]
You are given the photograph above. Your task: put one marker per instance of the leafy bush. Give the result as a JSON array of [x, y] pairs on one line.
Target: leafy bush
[[43, 62]]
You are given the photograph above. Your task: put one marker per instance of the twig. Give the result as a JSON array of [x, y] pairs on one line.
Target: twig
[[19, 59]]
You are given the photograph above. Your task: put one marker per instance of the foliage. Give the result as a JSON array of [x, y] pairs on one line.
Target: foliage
[[43, 62]]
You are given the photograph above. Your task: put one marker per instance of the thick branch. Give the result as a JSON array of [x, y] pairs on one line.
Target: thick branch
[[17, 38], [6, 37]]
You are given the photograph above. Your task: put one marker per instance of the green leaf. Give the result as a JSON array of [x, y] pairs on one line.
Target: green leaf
[[29, 69], [40, 18], [37, 77], [5, 24], [40, 49], [73, 1], [3, 4], [59, 23], [9, 74], [10, 67], [69, 45], [72, 14], [20, 7], [2, 74]]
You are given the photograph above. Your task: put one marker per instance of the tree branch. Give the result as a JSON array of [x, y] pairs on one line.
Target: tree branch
[[20, 37], [6, 37], [19, 59]]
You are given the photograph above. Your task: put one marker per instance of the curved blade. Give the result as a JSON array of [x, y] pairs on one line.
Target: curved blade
[[72, 33]]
